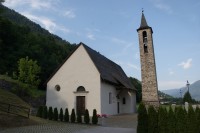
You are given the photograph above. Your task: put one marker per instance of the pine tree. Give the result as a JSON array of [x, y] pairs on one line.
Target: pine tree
[[61, 114], [73, 116], [86, 117], [171, 123], [162, 120], [79, 117], [197, 111], [180, 120], [187, 97], [94, 117], [152, 120], [66, 117], [50, 114], [55, 114], [142, 126], [191, 120], [39, 112], [45, 112]]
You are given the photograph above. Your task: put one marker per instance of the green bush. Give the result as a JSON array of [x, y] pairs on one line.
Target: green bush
[[50, 114], [66, 116], [73, 116], [45, 112], [39, 112], [86, 117], [162, 120], [152, 120], [61, 114], [142, 126], [171, 123], [192, 126], [180, 120], [94, 117], [198, 119], [79, 117], [55, 114]]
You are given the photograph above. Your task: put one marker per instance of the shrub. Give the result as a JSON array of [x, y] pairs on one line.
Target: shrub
[[191, 120], [198, 118], [55, 114], [171, 124], [66, 116], [152, 120], [45, 112], [39, 112], [86, 117], [180, 120], [79, 117], [142, 126], [61, 114], [94, 117], [73, 116], [162, 120], [50, 114]]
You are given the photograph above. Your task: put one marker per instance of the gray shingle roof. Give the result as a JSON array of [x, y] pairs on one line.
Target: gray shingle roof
[[109, 71]]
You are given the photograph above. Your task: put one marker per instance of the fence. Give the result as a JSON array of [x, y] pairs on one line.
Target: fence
[[15, 109]]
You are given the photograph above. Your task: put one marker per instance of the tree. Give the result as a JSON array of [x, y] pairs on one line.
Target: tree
[[55, 114], [28, 71], [61, 114], [87, 117], [50, 114], [152, 120], [171, 124], [187, 97], [180, 120], [73, 116], [94, 117], [142, 126], [197, 111], [45, 112], [79, 117], [192, 126], [66, 116], [39, 112], [137, 84]]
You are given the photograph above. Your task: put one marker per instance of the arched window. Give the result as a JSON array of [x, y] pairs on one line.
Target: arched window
[[80, 88], [145, 41]]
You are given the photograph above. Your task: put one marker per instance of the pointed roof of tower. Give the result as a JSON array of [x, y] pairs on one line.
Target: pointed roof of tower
[[143, 24]]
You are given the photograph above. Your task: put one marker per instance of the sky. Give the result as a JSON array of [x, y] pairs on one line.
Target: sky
[[110, 27]]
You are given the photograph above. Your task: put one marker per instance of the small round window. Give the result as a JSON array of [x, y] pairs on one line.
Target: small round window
[[57, 87]]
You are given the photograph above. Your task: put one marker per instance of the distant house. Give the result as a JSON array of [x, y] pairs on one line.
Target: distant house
[[88, 80]]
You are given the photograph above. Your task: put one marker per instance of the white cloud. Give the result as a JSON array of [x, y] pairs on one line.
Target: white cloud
[[186, 64], [162, 6], [164, 85], [69, 14], [91, 36], [133, 66]]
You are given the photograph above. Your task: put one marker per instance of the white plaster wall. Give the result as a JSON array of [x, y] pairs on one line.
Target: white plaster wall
[[106, 108], [130, 106], [78, 70]]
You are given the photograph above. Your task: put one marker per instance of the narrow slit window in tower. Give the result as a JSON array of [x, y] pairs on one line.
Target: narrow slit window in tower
[[144, 33]]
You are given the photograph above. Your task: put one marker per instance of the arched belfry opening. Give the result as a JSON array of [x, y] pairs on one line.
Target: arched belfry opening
[[144, 35]]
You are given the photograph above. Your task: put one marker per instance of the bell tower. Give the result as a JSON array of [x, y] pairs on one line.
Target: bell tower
[[148, 66]]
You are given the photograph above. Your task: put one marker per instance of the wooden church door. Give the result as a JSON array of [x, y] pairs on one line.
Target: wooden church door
[[80, 104]]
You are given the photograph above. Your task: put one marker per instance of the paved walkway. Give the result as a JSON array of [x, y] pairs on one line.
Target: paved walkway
[[114, 124]]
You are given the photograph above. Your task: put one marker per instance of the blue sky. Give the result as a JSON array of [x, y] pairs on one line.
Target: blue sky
[[109, 27]]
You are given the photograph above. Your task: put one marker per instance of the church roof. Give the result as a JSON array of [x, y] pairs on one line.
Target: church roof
[[143, 24], [110, 72]]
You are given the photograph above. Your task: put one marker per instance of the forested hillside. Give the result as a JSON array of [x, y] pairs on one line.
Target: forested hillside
[[20, 37]]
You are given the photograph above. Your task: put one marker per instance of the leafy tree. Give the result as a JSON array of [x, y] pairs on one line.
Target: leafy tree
[[171, 124], [45, 112], [73, 116], [55, 114], [61, 114], [192, 126], [94, 117], [66, 116], [162, 120], [138, 86], [39, 112], [50, 114], [152, 120], [142, 126], [187, 97], [87, 117], [28, 71], [79, 117]]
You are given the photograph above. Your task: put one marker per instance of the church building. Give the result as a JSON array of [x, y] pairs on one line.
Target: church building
[[89, 80]]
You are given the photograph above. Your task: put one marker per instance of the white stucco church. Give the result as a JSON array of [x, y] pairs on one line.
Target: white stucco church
[[89, 80]]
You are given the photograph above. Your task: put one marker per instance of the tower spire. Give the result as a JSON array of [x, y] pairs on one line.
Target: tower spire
[[143, 24]]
